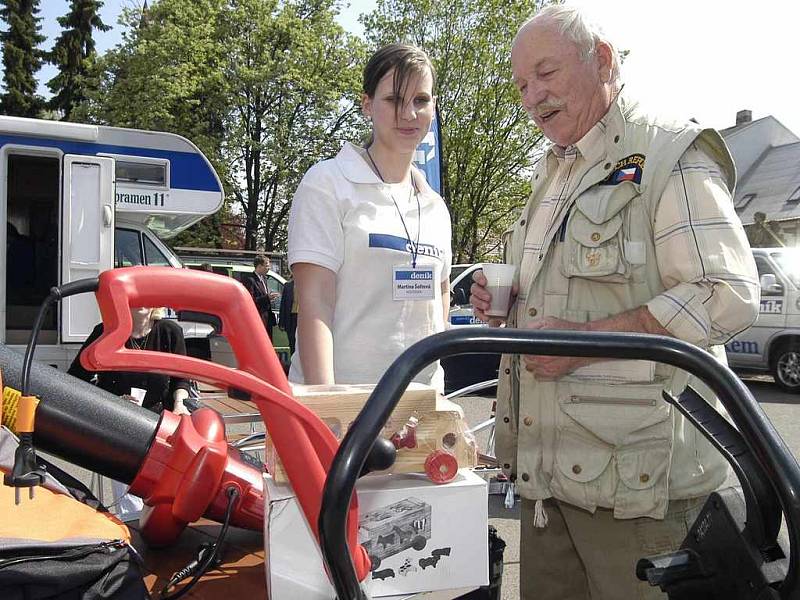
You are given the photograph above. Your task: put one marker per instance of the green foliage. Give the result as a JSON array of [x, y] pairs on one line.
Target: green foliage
[[74, 55], [487, 138], [292, 75], [21, 57], [264, 88], [165, 75]]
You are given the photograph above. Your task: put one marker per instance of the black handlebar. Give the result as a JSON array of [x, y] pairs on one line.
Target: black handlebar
[[772, 454]]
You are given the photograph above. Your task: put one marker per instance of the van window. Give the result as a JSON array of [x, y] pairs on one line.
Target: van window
[[461, 291], [457, 270], [788, 262], [153, 255], [275, 286], [127, 248], [141, 173]]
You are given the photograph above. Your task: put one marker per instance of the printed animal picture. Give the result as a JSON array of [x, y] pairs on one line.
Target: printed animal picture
[[389, 530]]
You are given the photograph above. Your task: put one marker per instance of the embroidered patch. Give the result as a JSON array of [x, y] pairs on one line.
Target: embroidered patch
[[628, 169]]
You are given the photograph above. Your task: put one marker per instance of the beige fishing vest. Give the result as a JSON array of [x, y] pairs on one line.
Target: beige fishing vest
[[618, 446]]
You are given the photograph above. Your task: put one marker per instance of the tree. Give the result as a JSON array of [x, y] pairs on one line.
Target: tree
[[487, 138], [165, 75], [74, 55], [21, 57], [264, 87], [292, 75]]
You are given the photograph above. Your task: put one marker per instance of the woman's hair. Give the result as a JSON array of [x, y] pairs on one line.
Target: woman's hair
[[158, 313], [406, 61]]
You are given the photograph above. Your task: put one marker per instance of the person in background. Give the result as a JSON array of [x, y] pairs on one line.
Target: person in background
[[153, 391], [629, 227], [257, 285], [287, 315], [206, 267], [369, 240], [150, 332]]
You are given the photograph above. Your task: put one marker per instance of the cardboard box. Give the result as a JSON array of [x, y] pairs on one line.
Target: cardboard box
[[424, 537]]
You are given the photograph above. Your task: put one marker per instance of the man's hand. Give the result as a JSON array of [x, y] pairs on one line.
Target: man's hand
[[481, 299], [550, 368]]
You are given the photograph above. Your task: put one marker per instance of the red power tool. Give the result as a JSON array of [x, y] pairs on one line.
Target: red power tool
[[185, 468]]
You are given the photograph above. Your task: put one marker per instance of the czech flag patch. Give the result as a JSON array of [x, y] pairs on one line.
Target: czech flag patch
[[628, 169]]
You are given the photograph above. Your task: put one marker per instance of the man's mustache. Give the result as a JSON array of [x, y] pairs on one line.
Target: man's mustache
[[547, 107]]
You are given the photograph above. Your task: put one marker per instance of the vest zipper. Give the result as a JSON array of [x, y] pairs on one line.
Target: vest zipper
[[611, 401]]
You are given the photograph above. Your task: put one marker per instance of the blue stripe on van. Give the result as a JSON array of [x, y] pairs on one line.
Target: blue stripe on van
[[188, 171]]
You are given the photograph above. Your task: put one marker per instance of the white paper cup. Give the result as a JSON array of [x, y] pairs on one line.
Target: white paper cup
[[138, 394], [499, 279]]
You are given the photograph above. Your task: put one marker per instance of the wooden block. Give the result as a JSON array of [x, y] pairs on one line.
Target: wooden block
[[338, 406]]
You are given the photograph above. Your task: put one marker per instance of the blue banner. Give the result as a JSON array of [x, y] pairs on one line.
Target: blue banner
[[428, 156]]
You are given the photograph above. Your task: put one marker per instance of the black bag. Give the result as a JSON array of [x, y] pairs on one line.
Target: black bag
[[78, 567], [71, 572]]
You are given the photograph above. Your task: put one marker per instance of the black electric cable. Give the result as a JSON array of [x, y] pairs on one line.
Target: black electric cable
[[207, 556], [56, 293]]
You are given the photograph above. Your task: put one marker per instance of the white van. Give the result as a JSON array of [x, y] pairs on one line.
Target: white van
[[772, 344], [80, 199]]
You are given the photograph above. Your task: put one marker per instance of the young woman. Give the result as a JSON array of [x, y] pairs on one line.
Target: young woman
[[369, 240]]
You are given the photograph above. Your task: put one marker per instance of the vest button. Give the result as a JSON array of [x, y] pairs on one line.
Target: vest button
[[644, 477], [576, 469], [522, 223], [507, 371], [505, 419], [525, 477], [607, 166], [595, 237], [506, 466], [528, 421], [616, 139], [532, 312]]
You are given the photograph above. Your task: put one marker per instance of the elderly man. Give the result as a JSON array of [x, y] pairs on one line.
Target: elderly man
[[630, 227]]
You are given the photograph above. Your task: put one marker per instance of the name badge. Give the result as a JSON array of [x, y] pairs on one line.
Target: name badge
[[412, 283]]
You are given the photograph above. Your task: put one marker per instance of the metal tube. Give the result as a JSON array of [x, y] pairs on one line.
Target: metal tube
[[81, 423]]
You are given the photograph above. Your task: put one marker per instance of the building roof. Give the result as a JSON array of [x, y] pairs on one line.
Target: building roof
[[769, 184]]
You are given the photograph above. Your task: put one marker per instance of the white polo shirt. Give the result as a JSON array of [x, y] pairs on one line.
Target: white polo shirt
[[343, 218]]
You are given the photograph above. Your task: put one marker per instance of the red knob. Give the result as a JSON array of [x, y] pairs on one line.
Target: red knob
[[441, 466]]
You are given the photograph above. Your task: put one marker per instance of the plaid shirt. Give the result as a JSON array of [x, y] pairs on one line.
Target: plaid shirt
[[703, 256]]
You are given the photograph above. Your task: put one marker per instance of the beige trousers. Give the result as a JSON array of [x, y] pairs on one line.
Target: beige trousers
[[584, 556]]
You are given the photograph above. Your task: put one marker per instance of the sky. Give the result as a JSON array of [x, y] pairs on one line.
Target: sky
[[705, 59]]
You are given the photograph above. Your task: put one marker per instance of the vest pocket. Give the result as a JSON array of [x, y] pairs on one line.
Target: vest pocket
[[613, 448], [594, 241], [643, 480], [580, 461], [594, 251]]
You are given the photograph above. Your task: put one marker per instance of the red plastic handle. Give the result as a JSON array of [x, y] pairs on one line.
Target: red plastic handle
[[306, 446]]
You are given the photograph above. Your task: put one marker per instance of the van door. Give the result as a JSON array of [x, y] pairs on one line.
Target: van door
[[87, 237], [749, 348]]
